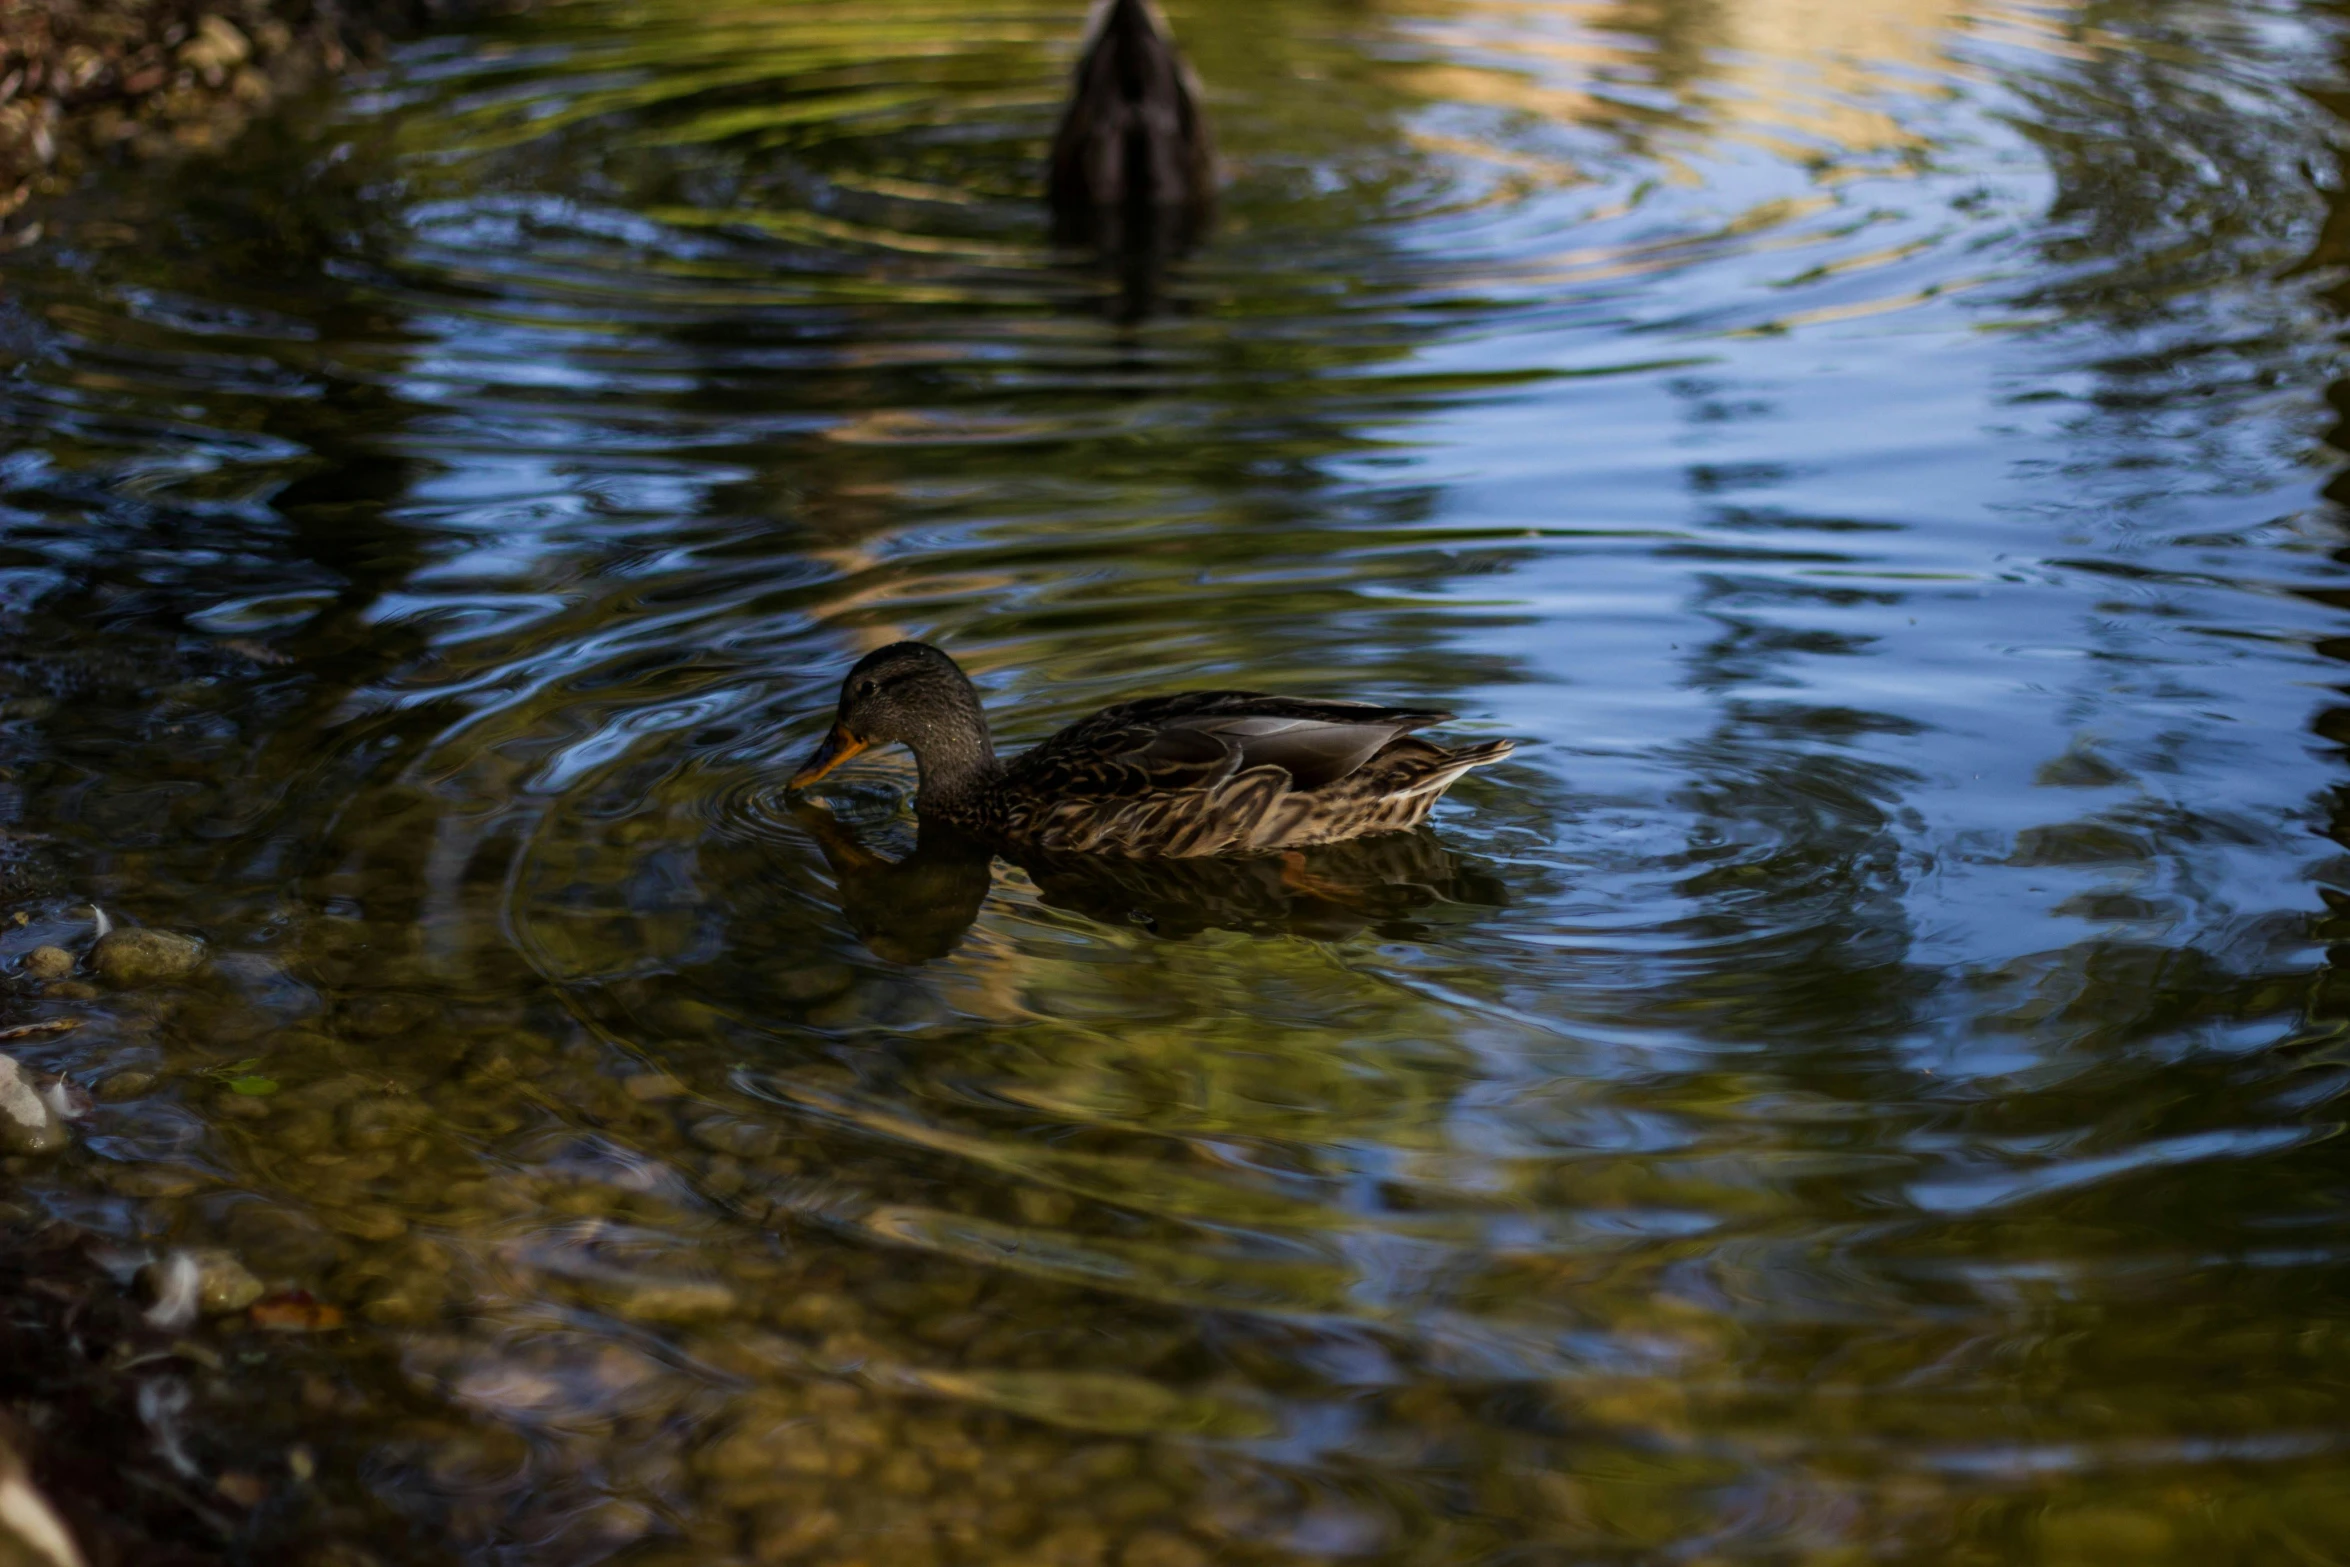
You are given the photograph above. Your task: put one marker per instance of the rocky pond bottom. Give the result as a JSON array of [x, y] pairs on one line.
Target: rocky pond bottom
[[1862, 1082]]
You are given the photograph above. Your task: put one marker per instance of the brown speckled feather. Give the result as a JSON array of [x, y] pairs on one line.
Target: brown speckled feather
[[1199, 773], [1225, 772]]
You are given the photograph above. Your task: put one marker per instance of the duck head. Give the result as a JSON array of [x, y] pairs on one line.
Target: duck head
[[909, 694]]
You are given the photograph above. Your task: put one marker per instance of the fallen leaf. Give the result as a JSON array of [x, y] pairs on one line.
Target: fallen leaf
[[294, 1311], [246, 1490], [54, 1025]]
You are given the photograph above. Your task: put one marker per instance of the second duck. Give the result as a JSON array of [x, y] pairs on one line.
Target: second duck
[[1132, 160]]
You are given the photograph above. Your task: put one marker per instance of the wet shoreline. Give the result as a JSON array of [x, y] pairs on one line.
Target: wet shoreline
[[84, 83]]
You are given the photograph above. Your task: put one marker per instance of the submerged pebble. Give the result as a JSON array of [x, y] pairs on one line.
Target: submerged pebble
[[48, 963], [788, 1532], [223, 1283], [679, 1300], [203, 1280], [132, 958], [119, 1086], [1161, 1548]]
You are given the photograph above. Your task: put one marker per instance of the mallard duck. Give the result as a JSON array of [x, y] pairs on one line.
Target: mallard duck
[[1202, 772], [1132, 150]]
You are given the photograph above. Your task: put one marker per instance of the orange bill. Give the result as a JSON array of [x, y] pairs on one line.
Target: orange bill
[[839, 745]]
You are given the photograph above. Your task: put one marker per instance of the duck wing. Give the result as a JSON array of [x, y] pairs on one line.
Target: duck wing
[[1200, 739]]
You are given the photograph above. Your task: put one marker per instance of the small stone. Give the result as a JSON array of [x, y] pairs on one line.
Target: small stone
[[1131, 1501], [48, 963], [2103, 1533], [402, 1306], [903, 1473], [1161, 1548], [723, 1176], [762, 1449], [160, 1181], [28, 1122], [135, 956], [70, 990], [614, 1522], [681, 1300], [367, 1221], [817, 1309], [1041, 1207], [219, 45], [200, 1279], [125, 1085], [224, 1284], [653, 1085], [1072, 1545], [745, 1139], [784, 1534]]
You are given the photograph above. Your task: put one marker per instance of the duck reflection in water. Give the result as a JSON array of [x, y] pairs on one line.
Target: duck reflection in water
[[917, 907]]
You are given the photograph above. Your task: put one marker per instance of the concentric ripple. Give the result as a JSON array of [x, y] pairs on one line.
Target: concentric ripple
[[1860, 1083]]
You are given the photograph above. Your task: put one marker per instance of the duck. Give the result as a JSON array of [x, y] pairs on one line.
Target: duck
[[1132, 155], [1177, 776]]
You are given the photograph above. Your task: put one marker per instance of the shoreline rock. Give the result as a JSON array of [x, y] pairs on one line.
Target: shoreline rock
[[131, 957], [83, 82], [26, 1516], [29, 1123]]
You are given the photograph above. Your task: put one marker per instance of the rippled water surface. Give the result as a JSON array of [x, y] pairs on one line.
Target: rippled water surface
[[1859, 1085]]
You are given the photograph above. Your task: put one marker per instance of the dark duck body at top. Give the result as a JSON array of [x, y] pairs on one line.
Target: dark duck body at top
[[1132, 157], [1201, 772]]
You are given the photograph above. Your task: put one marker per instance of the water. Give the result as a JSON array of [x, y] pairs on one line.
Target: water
[[1860, 1084]]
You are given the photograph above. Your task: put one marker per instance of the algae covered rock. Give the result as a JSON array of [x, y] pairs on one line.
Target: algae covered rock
[[200, 1281], [48, 963], [133, 958]]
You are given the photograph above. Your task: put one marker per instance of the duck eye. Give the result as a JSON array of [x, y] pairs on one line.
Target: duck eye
[[864, 688]]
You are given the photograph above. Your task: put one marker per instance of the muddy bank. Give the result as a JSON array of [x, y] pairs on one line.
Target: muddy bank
[[84, 81]]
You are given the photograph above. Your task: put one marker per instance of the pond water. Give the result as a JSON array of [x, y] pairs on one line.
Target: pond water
[[1859, 1084]]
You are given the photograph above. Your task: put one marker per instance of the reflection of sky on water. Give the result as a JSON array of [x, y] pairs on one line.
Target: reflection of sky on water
[[1880, 495]]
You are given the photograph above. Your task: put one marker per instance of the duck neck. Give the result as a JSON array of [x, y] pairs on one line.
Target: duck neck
[[956, 760]]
